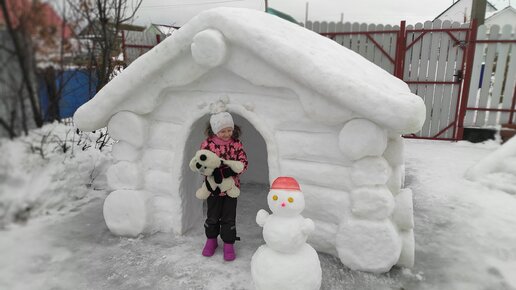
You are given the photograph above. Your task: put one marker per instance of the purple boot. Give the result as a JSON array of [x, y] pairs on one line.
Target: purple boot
[[209, 247], [229, 252]]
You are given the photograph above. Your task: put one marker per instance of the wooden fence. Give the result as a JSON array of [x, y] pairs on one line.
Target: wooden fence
[[377, 43], [432, 60], [492, 96]]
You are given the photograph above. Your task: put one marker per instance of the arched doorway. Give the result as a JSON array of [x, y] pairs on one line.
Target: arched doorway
[[255, 181]]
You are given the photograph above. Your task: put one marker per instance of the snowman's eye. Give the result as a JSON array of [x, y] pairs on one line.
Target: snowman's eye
[[290, 199], [274, 197]]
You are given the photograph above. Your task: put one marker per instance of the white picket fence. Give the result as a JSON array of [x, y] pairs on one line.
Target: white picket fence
[[433, 63], [432, 68], [367, 46], [495, 90]]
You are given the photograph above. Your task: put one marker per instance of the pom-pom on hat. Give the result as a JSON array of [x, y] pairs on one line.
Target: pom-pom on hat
[[220, 121], [285, 183]]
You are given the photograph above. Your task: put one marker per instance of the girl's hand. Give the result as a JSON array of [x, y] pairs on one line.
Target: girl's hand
[[223, 172]]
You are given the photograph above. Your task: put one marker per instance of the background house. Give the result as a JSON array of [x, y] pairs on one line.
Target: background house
[[506, 16], [460, 11], [281, 14], [91, 40], [163, 30]]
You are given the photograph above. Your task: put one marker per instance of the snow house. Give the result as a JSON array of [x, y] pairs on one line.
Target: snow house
[[308, 107]]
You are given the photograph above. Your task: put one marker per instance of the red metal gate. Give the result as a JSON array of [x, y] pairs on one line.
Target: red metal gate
[[434, 59], [438, 54]]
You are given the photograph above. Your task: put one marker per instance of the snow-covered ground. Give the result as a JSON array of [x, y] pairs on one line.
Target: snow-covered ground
[[53, 236]]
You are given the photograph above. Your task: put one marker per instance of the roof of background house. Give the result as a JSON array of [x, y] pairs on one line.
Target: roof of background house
[[45, 12], [164, 28], [87, 31], [507, 9], [281, 14], [446, 10]]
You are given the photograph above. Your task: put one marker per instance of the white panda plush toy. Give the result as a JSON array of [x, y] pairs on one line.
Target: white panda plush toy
[[205, 162]]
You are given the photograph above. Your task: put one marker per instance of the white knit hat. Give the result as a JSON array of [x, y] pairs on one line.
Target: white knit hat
[[220, 121]]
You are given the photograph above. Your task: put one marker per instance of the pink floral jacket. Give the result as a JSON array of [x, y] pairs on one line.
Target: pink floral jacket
[[229, 150]]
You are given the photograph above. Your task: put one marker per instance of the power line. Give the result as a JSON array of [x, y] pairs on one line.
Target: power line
[[192, 4]]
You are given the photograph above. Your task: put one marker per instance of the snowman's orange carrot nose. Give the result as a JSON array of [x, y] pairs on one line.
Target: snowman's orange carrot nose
[[283, 204]]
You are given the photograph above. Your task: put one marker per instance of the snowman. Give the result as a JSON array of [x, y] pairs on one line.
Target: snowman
[[286, 261]]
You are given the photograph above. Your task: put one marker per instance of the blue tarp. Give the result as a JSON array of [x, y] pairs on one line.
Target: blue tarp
[[78, 88]]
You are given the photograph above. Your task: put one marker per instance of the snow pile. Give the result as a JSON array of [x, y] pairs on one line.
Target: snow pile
[[50, 170], [498, 169], [464, 238]]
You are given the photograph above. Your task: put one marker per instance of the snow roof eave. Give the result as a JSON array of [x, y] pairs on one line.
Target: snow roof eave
[[328, 68]]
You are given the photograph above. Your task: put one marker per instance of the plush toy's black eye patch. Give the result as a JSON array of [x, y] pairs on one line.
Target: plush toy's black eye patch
[[198, 165], [202, 157]]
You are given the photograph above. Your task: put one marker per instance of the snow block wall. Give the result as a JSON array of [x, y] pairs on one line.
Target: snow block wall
[[314, 113]]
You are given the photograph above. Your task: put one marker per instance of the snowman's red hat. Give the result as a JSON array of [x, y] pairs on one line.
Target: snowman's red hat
[[285, 183]]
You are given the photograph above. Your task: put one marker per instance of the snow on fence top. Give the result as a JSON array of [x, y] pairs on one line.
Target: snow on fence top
[[335, 72]]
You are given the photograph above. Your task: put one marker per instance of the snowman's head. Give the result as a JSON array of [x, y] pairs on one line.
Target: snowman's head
[[284, 202]]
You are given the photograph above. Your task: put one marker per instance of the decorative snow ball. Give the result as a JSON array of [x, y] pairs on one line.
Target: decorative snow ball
[[311, 104], [286, 261]]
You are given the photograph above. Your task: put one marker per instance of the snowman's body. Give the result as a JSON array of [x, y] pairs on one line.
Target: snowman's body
[[286, 261], [286, 271], [284, 234]]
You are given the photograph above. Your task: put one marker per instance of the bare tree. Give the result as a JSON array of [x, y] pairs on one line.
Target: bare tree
[[103, 21], [22, 51], [33, 37]]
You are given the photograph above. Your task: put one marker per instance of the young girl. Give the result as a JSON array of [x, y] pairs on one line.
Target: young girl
[[223, 141]]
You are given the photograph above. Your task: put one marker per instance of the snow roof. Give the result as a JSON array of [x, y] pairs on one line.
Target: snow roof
[[316, 62]]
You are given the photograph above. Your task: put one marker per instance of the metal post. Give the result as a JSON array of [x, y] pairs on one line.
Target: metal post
[[513, 106], [400, 51], [306, 13], [478, 11], [467, 69], [124, 53]]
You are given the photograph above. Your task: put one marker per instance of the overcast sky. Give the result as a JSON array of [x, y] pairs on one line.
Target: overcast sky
[[369, 11]]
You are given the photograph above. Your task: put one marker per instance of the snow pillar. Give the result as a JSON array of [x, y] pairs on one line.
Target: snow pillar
[[125, 212], [129, 127], [360, 138], [368, 239]]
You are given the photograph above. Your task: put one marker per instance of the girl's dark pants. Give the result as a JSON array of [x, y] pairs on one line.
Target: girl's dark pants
[[221, 218]]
